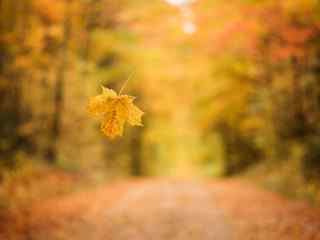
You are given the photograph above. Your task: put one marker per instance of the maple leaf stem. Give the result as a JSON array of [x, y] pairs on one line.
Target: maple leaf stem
[[126, 82]]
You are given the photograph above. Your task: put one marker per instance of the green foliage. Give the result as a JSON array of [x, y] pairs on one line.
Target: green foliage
[[241, 151], [311, 168]]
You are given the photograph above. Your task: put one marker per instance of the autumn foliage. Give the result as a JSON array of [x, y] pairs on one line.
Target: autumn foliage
[[229, 87], [115, 110]]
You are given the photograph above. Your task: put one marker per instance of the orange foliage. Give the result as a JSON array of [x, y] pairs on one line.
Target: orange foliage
[[49, 11]]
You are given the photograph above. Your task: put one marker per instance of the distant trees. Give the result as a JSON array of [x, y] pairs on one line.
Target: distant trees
[[13, 32], [54, 56], [243, 88], [271, 48]]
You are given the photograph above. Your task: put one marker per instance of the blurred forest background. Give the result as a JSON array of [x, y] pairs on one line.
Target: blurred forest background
[[228, 87]]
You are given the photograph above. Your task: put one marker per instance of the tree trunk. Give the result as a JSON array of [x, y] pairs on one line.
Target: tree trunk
[[52, 152], [136, 159]]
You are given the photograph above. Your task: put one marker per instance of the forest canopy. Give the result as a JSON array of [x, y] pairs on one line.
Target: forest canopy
[[229, 87]]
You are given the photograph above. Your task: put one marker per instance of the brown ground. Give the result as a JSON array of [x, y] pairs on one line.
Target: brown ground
[[168, 210]]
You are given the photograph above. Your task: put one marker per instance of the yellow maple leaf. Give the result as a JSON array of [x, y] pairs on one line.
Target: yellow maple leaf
[[115, 110]]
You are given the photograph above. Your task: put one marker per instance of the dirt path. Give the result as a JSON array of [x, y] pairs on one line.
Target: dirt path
[[173, 210]]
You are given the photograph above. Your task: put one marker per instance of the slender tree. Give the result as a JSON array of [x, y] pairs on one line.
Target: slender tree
[[55, 132]]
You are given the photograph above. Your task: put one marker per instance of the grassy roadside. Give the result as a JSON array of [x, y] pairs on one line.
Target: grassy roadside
[[287, 179]]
